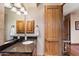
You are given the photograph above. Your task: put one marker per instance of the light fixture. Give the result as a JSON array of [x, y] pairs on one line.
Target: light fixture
[[18, 5], [18, 13], [14, 9], [8, 5], [22, 9], [25, 13]]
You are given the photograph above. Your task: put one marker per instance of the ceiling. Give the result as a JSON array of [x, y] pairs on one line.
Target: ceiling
[[67, 8], [35, 5], [70, 7], [29, 5]]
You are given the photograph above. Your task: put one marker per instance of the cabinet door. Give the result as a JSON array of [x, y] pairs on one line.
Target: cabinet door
[[30, 26], [53, 28], [20, 26]]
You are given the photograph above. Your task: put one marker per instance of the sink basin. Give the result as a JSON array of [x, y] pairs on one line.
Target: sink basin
[[27, 42]]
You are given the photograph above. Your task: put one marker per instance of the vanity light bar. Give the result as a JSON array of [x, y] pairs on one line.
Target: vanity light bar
[[21, 9], [16, 7]]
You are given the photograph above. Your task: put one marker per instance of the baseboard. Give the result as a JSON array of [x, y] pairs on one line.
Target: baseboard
[[74, 43]]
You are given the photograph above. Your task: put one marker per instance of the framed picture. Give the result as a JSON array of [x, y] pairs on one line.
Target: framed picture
[[76, 25]]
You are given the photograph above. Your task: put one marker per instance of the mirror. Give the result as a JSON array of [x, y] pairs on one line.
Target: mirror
[[16, 24], [10, 20]]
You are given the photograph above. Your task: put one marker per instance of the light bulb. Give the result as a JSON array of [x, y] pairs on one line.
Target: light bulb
[[22, 9], [14, 9], [25, 13], [18, 13]]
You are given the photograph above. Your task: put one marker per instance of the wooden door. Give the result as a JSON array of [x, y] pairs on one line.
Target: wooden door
[[30, 26], [20, 26], [53, 21]]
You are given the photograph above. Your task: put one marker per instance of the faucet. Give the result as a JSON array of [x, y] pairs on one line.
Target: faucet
[[25, 37]]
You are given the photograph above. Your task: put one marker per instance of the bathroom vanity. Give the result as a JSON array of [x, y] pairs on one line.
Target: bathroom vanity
[[22, 48]]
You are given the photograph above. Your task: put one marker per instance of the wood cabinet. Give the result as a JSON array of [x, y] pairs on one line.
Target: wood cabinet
[[22, 26], [53, 30]]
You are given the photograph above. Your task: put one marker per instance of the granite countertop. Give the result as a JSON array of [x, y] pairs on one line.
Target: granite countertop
[[19, 48]]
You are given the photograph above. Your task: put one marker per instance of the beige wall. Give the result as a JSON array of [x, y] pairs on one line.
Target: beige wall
[[74, 33], [2, 24]]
